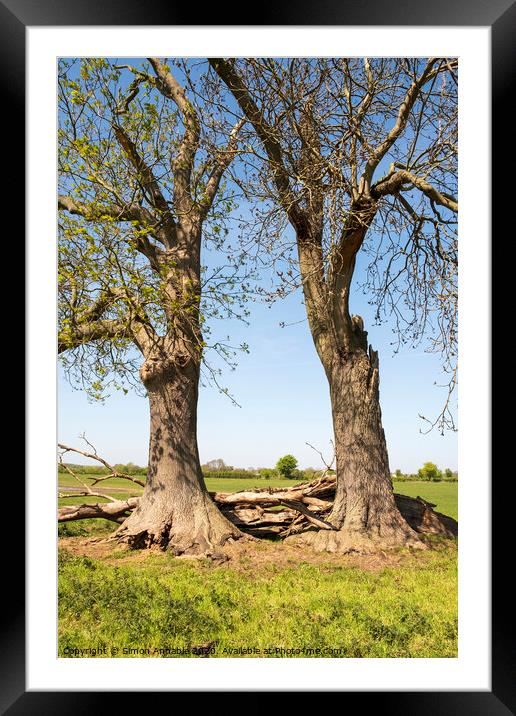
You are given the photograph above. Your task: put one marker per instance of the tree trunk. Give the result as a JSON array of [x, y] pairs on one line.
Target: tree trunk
[[175, 511], [364, 509]]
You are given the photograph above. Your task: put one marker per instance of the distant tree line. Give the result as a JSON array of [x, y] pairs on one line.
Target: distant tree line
[[428, 473], [128, 469], [286, 467]]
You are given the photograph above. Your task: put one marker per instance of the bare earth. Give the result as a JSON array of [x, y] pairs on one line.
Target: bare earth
[[243, 556]]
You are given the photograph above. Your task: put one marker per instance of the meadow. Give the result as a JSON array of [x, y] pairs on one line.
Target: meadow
[[269, 599]]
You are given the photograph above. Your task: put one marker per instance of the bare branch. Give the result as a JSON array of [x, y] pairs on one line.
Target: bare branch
[[222, 161], [115, 511], [87, 489], [226, 71], [113, 472], [400, 124], [182, 164], [328, 465], [394, 182]]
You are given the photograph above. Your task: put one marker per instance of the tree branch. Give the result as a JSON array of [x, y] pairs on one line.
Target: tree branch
[[133, 212], [222, 161], [393, 183], [401, 122], [149, 182], [226, 71], [79, 334], [182, 164], [115, 511], [98, 212], [308, 233], [104, 301], [254, 511], [113, 472]]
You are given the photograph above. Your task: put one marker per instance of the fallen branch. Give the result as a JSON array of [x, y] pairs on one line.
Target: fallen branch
[[115, 511], [252, 511], [256, 511], [317, 495], [113, 472]]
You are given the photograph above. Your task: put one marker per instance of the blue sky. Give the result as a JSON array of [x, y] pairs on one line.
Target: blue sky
[[283, 394], [282, 390]]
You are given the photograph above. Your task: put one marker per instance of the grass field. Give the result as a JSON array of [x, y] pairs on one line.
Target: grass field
[[122, 601], [268, 597], [214, 484]]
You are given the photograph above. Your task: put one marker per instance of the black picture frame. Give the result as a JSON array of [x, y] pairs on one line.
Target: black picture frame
[[500, 16]]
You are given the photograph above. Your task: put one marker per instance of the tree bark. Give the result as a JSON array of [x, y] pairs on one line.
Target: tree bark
[[175, 511], [364, 509]]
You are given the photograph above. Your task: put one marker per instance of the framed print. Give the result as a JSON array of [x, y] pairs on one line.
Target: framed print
[[162, 146]]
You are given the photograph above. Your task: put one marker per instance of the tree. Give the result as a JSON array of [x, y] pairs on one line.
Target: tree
[[140, 189], [430, 472], [322, 131], [286, 466], [217, 464]]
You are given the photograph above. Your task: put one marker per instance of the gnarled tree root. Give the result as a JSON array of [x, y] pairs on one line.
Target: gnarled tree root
[[346, 541], [204, 534], [200, 544]]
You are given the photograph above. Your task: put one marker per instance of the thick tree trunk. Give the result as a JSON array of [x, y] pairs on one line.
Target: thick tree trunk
[[364, 509], [175, 511]]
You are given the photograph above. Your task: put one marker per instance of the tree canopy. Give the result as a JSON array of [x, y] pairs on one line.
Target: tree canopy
[[138, 171], [359, 156], [286, 465]]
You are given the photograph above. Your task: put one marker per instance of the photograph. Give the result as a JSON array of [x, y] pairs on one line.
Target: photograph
[[258, 442], [257, 340]]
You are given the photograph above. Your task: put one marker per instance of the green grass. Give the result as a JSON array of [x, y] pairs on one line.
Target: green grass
[[227, 484], [65, 480], [215, 484], [160, 602]]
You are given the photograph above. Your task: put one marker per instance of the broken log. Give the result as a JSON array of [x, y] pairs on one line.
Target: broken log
[[318, 496], [115, 511]]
